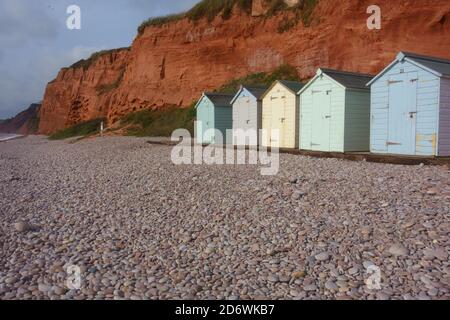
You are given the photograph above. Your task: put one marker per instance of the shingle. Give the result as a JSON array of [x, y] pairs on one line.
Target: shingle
[[220, 99], [437, 64], [350, 80]]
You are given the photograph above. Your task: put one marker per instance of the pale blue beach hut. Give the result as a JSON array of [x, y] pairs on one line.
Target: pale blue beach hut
[[335, 112], [410, 107], [214, 112]]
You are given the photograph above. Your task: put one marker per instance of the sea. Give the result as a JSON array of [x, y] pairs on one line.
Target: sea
[[8, 136]]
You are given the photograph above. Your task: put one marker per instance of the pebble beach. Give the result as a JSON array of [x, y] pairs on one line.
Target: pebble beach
[[139, 227]]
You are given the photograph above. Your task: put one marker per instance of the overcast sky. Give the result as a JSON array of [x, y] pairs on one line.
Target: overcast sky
[[35, 42]]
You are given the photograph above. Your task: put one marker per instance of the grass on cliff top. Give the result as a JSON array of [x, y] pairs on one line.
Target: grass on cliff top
[[212, 8], [82, 129], [86, 63], [204, 9], [161, 123]]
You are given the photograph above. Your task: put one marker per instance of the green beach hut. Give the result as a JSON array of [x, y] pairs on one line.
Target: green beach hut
[[335, 112], [214, 116]]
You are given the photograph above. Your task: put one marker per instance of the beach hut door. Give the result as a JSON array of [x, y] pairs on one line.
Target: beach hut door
[[277, 122], [209, 124], [320, 139], [402, 113]]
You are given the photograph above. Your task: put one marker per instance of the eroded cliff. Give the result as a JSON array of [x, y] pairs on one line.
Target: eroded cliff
[[173, 63]]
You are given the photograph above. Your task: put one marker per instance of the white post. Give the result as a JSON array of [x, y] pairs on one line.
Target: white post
[[101, 129]]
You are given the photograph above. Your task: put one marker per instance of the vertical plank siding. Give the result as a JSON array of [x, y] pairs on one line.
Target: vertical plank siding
[[427, 110], [223, 121], [349, 117], [444, 118], [205, 114], [278, 103], [357, 120], [246, 114]]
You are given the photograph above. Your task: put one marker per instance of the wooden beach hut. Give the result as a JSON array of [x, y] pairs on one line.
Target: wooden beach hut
[[335, 112], [280, 110], [247, 115], [214, 112], [410, 107]]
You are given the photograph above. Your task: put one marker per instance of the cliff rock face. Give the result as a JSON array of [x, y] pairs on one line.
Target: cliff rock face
[[174, 63], [26, 122], [82, 93]]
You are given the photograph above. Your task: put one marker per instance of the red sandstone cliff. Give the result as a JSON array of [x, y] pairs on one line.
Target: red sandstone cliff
[[174, 63]]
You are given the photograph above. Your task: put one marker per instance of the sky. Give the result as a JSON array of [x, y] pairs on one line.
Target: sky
[[35, 41]]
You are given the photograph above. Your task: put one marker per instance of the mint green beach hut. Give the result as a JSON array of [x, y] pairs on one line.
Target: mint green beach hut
[[335, 112], [214, 115]]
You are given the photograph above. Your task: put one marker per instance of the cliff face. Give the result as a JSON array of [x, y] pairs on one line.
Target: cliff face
[[174, 63], [82, 93], [26, 122]]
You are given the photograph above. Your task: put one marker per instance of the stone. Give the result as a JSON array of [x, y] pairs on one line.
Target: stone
[[439, 253], [297, 195], [382, 296], [11, 280], [310, 287], [330, 285], [367, 264], [323, 256], [43, 287], [398, 250], [352, 271], [59, 291], [299, 274], [22, 226]]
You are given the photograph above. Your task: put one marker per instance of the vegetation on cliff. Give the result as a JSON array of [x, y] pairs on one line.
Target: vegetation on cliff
[[81, 129], [161, 123], [283, 72], [210, 9]]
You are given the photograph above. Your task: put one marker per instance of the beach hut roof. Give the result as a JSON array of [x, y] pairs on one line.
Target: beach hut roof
[[292, 86], [345, 79], [437, 66], [219, 99], [256, 91], [350, 80]]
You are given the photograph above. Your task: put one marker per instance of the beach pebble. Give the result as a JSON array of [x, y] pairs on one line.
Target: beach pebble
[[120, 215]]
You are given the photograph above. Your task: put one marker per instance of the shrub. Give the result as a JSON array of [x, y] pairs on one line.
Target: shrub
[[153, 123], [283, 72], [81, 129], [159, 21], [159, 123]]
